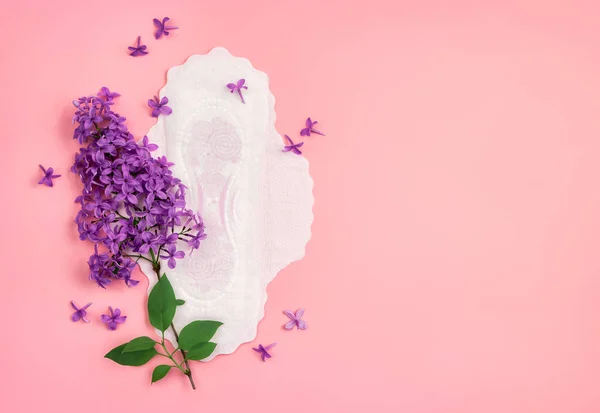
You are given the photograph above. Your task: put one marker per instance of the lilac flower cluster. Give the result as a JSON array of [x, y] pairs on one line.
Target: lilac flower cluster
[[131, 203]]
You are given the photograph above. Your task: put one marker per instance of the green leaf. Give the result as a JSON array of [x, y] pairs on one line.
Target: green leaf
[[197, 332], [161, 304], [201, 351], [179, 302], [160, 372], [134, 358], [138, 344]]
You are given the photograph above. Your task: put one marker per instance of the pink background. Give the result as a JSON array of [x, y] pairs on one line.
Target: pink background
[[453, 265]]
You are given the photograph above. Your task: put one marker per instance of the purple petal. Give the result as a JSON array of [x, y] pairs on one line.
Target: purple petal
[[300, 313], [290, 314], [152, 103], [231, 86], [308, 123], [76, 316], [270, 346], [116, 313], [164, 100], [43, 170], [286, 149], [299, 145], [171, 263], [112, 326], [160, 29], [120, 320], [179, 254], [86, 306], [302, 325], [165, 110], [305, 132], [50, 171], [105, 318], [74, 306], [131, 283], [240, 83], [289, 325]]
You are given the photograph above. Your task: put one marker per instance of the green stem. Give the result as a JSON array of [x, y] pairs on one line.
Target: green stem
[[187, 371], [170, 357], [138, 257]]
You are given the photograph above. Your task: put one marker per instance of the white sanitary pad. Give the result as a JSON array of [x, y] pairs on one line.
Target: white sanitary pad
[[256, 200]]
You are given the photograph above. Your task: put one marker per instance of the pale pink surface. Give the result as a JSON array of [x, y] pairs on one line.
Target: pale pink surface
[[454, 260]]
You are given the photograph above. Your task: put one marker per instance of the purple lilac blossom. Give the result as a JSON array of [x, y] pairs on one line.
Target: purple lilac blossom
[[107, 95], [310, 128], [132, 207], [172, 253], [295, 320], [159, 107], [237, 87], [294, 147], [264, 351], [162, 28], [48, 176], [113, 319], [139, 49], [79, 313]]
